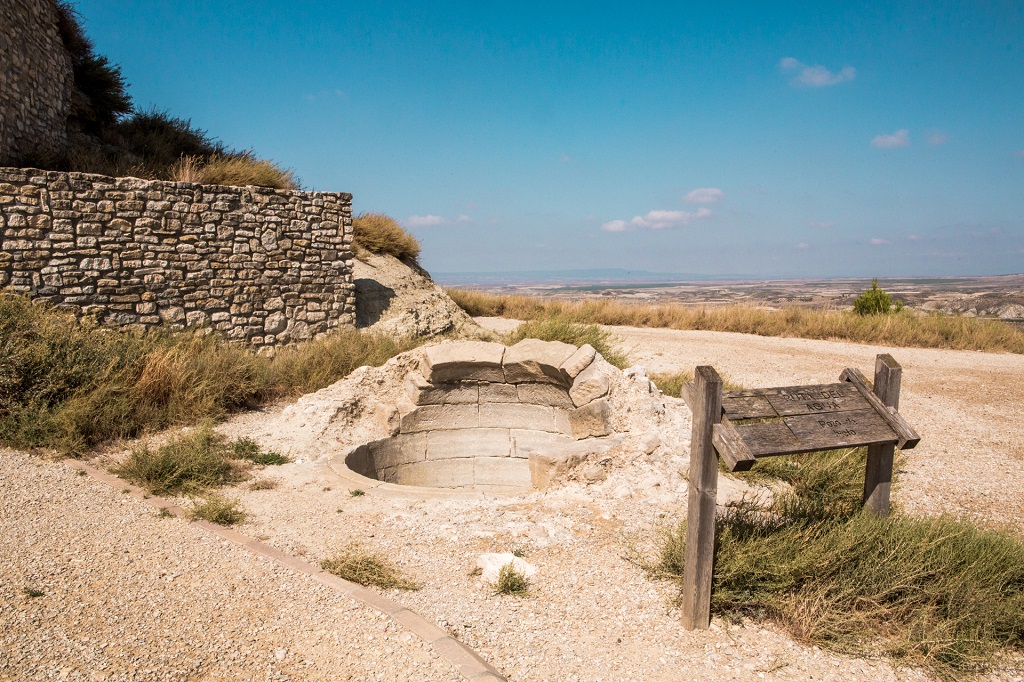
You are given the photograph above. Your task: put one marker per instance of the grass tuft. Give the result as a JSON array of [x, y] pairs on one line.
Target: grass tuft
[[188, 463], [248, 449], [235, 168], [263, 484], [902, 328], [934, 592], [359, 566], [512, 582], [220, 510], [32, 592], [356, 493], [381, 234]]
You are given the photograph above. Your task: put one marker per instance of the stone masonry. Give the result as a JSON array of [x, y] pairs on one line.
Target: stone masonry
[[262, 266], [35, 81]]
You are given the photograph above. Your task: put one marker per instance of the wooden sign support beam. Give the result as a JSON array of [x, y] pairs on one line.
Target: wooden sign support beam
[[701, 498], [743, 426]]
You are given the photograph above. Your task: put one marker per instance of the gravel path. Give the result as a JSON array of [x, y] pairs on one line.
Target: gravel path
[[129, 595]]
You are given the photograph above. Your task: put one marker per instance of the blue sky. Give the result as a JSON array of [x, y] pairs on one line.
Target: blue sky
[[763, 139]]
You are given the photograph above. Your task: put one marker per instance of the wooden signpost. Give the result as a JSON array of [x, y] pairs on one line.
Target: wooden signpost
[[744, 426]]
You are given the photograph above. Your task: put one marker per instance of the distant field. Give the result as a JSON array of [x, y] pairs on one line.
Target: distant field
[[908, 328]]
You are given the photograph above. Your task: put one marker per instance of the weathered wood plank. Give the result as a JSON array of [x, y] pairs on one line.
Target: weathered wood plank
[[840, 430], [908, 437], [701, 493], [816, 399], [878, 471], [747, 407], [731, 447], [768, 438]]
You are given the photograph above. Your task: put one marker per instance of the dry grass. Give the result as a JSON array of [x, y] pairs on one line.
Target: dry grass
[[905, 328], [220, 510], [381, 234], [237, 168], [359, 566], [561, 329], [935, 592], [68, 386], [512, 582]]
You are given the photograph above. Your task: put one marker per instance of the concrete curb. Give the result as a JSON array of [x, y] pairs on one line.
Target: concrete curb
[[469, 663]]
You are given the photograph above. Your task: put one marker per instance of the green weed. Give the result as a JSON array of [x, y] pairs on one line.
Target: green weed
[[220, 510], [512, 582]]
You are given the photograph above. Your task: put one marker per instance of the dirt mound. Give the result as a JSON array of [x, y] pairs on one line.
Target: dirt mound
[[395, 298]]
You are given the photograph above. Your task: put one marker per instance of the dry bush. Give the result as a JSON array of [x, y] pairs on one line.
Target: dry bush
[[220, 510], [235, 168], [904, 328], [381, 234]]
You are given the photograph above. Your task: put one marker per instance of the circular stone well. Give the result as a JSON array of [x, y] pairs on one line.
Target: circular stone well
[[480, 416]]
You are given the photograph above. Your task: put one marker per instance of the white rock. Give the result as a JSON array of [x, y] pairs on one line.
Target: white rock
[[490, 564]]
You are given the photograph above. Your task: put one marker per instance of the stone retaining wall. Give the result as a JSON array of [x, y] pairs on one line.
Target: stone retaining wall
[[35, 81], [262, 266]]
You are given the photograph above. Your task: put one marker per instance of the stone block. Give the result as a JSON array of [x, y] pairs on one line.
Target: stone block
[[533, 360], [594, 419], [545, 394], [555, 463], [591, 384], [441, 473], [402, 449], [463, 361], [526, 441], [422, 392], [517, 416], [498, 393], [468, 443], [578, 361], [432, 417], [501, 471], [360, 461]]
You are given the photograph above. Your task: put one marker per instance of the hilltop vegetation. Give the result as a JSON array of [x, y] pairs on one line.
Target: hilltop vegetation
[[109, 136]]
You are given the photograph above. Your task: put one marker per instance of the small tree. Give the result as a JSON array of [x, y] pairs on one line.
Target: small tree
[[875, 301]]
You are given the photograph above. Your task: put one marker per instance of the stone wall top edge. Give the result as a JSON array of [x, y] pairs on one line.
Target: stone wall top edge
[[225, 189]]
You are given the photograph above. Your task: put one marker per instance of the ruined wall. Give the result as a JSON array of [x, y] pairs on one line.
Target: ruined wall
[[35, 80], [263, 266]]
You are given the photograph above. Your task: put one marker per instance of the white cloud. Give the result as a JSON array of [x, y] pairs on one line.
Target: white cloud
[[901, 138], [802, 246], [424, 220], [657, 220], [914, 237], [878, 241], [463, 218], [704, 195], [816, 76], [1019, 153], [821, 224], [565, 158], [938, 137]]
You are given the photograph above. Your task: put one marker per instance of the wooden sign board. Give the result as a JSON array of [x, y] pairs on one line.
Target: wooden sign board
[[743, 426], [794, 419]]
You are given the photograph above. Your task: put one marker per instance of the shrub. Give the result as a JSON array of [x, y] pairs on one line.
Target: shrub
[[564, 330], [99, 97], [381, 234], [512, 582], [933, 592], [875, 301], [219, 509], [359, 566]]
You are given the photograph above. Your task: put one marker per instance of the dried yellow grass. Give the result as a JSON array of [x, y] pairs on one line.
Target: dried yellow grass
[[906, 328]]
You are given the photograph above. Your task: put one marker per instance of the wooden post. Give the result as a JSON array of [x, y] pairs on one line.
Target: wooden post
[[878, 476], [701, 494]]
